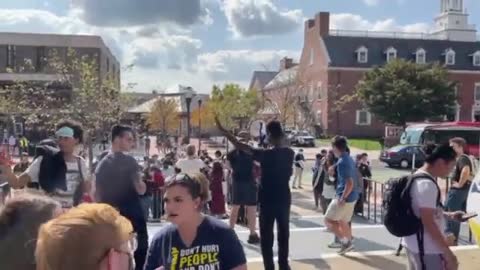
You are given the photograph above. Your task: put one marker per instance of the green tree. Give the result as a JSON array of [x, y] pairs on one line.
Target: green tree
[[234, 105], [403, 91], [79, 92]]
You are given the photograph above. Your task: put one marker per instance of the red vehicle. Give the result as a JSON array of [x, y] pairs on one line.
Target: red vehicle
[[442, 133]]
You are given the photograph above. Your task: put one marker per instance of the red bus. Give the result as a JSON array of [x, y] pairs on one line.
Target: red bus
[[442, 133]]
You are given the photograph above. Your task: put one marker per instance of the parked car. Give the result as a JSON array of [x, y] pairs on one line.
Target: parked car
[[402, 156], [302, 138]]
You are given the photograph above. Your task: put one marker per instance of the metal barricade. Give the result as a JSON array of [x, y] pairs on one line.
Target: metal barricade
[[157, 208], [373, 201], [374, 198]]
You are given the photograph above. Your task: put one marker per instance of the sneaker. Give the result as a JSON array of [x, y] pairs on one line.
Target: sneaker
[[335, 245], [253, 239], [346, 248]]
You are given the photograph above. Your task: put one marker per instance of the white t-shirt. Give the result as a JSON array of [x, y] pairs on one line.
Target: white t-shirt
[[168, 172], [329, 191], [73, 179], [190, 166], [424, 194]]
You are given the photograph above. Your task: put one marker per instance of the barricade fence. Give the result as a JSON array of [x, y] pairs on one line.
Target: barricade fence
[[372, 201]]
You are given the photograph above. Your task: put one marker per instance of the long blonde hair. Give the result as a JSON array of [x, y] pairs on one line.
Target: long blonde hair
[[81, 238]]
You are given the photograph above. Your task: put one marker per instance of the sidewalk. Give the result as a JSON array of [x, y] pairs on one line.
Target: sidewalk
[[469, 260]]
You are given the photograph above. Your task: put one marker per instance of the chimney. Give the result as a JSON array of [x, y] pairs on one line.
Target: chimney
[[309, 24], [286, 63], [322, 21]]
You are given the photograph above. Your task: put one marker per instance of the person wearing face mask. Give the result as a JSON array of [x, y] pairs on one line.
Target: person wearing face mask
[[90, 236], [192, 240], [56, 169]]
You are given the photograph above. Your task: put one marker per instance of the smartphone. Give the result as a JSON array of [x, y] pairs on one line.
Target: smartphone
[[468, 216]]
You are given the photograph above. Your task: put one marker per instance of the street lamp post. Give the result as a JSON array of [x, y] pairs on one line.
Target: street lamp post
[[188, 100], [199, 123]]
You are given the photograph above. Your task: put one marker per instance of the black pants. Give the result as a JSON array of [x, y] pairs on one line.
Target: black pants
[[140, 227], [268, 215], [141, 252], [158, 205]]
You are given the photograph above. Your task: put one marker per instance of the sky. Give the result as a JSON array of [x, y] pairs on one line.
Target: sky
[[200, 43]]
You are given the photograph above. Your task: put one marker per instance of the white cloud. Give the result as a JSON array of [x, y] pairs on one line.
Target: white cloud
[[249, 18], [347, 21], [238, 65], [121, 13], [371, 2]]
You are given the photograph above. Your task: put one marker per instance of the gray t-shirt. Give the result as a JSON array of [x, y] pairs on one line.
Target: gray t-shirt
[[115, 176]]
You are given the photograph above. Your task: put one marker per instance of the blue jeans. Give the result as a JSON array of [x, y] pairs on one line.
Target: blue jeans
[[456, 199]]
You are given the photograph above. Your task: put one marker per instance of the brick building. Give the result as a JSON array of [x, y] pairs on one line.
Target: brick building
[[24, 56], [333, 61]]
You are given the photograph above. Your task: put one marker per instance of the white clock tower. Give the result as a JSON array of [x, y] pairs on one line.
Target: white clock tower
[[452, 23]]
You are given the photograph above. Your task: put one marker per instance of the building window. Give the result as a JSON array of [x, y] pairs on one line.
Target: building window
[[364, 118], [39, 63], [391, 54], [362, 55], [11, 55], [477, 92], [421, 56], [476, 59], [476, 114], [450, 57], [311, 56]]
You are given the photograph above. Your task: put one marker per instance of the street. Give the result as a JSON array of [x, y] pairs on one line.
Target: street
[[309, 236]]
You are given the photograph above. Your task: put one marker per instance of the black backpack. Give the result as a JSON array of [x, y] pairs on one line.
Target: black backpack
[[399, 218]]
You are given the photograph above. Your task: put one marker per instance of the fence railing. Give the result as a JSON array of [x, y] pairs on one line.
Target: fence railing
[[373, 209]]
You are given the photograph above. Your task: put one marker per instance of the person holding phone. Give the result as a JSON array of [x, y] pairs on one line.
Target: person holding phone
[[56, 169]]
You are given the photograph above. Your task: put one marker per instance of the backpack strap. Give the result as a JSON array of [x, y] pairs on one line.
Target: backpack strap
[[80, 171]]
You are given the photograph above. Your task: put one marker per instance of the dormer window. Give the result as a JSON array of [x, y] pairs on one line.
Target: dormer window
[[362, 55], [391, 54], [421, 56], [450, 57], [476, 59]]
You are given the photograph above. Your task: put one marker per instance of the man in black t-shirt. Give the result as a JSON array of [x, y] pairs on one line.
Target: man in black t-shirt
[[118, 184], [460, 185], [274, 191], [244, 191]]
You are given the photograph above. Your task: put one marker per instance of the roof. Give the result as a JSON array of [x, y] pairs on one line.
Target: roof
[[283, 78], [147, 106], [179, 98], [342, 50], [262, 77]]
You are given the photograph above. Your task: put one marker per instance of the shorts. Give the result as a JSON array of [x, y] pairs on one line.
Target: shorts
[[244, 193], [340, 213]]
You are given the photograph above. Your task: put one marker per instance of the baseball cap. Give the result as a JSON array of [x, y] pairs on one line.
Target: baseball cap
[[65, 132]]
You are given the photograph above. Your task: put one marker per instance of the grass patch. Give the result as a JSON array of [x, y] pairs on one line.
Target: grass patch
[[363, 144]]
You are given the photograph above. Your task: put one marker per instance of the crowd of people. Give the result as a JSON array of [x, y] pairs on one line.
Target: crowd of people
[[70, 216]]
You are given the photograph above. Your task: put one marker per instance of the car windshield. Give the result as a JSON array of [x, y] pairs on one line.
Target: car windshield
[[411, 136], [303, 133], [397, 148]]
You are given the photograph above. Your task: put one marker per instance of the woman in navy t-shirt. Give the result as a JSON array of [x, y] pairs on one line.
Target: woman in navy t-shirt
[[193, 241]]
